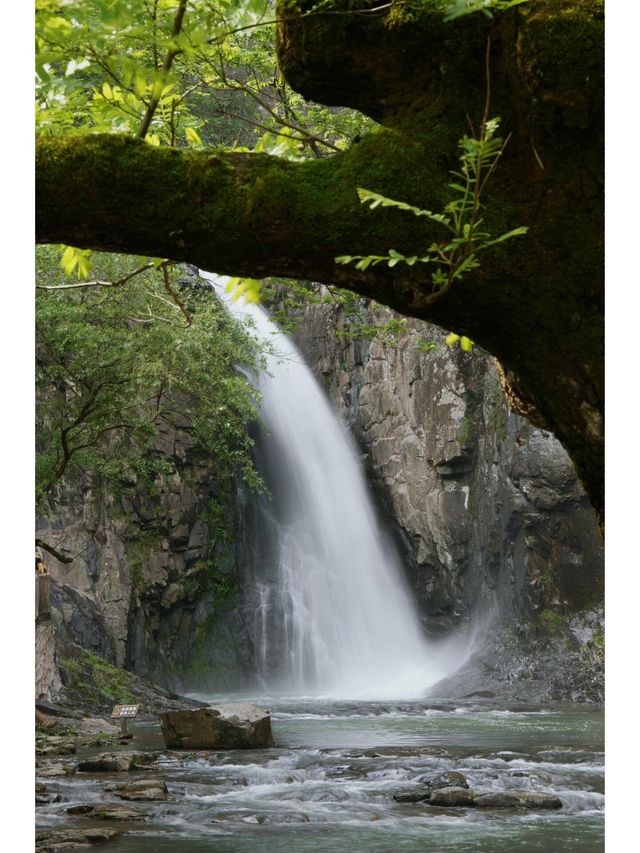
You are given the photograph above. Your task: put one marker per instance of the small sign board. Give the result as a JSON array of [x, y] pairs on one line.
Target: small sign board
[[124, 711]]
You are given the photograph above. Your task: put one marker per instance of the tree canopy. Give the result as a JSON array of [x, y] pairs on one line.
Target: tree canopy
[[136, 155]]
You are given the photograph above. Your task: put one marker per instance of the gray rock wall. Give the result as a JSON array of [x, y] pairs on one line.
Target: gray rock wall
[[47, 677], [494, 525], [152, 584]]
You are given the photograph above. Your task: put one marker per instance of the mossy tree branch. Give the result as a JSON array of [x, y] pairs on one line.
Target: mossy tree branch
[[536, 303]]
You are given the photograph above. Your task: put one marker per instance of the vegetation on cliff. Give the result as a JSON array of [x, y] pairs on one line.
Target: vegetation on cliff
[[118, 366]]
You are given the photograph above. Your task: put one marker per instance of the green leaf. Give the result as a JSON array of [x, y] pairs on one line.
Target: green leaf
[[466, 344], [517, 232], [69, 260], [192, 136], [451, 339]]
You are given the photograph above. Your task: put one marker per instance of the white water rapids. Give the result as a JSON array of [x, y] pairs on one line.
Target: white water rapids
[[349, 626]]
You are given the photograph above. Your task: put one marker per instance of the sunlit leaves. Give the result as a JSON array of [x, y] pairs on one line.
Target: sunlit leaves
[[281, 144], [192, 136], [100, 64], [376, 200], [247, 288], [452, 258], [78, 260], [466, 345]]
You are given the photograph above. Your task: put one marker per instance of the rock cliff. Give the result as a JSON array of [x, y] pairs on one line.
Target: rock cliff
[[494, 525], [152, 583], [495, 530]]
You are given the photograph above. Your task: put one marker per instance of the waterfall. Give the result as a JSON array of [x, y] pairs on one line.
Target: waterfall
[[339, 612]]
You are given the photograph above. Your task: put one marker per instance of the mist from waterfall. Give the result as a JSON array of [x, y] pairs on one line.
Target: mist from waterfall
[[340, 612]]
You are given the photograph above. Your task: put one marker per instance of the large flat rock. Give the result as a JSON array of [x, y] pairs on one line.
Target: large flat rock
[[232, 726]]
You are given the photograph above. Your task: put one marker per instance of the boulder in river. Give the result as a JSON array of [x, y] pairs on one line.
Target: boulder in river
[[115, 762], [453, 796], [448, 779], [50, 841], [143, 789], [106, 811], [233, 726], [431, 783], [518, 799], [419, 796], [50, 771]]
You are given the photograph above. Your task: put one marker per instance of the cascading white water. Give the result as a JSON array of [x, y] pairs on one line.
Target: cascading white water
[[350, 629]]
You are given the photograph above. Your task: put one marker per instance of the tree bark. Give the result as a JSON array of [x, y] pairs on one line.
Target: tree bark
[[536, 303]]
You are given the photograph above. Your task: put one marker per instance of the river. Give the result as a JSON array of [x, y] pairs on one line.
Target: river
[[329, 783]]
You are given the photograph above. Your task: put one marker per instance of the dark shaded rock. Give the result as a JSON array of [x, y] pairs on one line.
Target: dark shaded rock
[[486, 510], [143, 789], [234, 726], [83, 808], [85, 623], [413, 796], [52, 710], [481, 694], [454, 796], [115, 762]]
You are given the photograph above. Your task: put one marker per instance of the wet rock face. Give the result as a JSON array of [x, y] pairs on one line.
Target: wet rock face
[[152, 583], [492, 521], [48, 682]]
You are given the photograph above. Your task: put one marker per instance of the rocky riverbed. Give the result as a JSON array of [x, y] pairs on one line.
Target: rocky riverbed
[[452, 777]]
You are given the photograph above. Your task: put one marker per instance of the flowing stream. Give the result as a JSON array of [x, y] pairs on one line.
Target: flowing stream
[[339, 613], [328, 785]]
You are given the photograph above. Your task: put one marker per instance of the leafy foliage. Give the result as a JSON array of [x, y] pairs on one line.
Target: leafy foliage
[[117, 365], [176, 73], [457, 254]]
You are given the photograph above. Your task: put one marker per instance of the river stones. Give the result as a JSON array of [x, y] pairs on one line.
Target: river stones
[[81, 808], [452, 789], [233, 726], [431, 783], [115, 762], [143, 789], [45, 797], [50, 771], [55, 745], [50, 841], [518, 799], [453, 796], [448, 779], [413, 796]]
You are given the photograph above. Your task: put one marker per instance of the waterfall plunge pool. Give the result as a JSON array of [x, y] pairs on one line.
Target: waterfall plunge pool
[[328, 785]]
